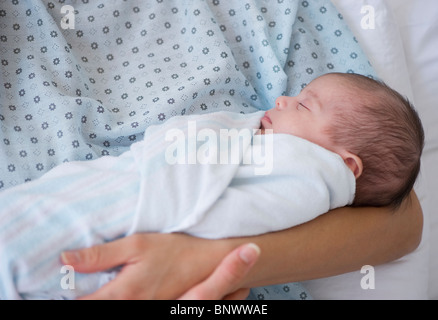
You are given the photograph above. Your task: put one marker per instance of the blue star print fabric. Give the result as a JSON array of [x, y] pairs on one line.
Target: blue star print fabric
[[89, 86], [84, 79], [288, 291]]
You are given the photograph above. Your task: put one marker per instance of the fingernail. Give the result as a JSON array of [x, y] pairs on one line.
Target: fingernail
[[249, 253], [70, 257]]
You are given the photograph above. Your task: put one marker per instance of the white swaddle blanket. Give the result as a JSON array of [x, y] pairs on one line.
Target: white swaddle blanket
[[206, 175]]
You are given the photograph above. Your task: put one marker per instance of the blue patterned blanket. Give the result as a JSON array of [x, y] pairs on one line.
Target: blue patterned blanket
[[84, 79]]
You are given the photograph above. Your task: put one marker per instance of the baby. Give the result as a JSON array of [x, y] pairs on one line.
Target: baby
[[345, 139], [372, 127]]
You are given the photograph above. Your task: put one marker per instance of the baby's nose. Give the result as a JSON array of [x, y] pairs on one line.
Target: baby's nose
[[282, 102]]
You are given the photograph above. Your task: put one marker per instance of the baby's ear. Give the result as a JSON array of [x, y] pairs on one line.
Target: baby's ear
[[353, 162]]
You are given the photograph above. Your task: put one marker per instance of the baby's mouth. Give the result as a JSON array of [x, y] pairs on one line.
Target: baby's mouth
[[266, 117]]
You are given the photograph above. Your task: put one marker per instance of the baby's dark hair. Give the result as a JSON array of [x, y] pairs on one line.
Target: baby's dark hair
[[381, 127]]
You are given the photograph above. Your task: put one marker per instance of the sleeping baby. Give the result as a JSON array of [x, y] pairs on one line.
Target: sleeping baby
[[344, 140]]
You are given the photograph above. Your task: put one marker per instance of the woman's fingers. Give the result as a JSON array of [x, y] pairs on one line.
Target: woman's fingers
[[101, 257], [224, 281]]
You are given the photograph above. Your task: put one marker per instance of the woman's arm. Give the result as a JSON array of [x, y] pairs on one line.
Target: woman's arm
[[164, 266], [340, 241]]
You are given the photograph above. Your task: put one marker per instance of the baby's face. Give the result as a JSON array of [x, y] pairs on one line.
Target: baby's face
[[308, 114]]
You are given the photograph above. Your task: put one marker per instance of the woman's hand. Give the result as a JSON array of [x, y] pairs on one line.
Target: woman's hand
[[155, 267]]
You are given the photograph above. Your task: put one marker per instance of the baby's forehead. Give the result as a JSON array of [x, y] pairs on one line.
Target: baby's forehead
[[330, 83], [329, 78], [344, 88]]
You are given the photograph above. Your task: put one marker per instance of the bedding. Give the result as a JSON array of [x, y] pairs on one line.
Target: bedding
[[84, 83]]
